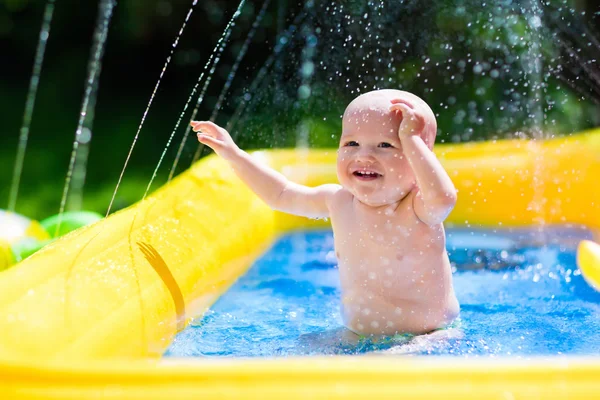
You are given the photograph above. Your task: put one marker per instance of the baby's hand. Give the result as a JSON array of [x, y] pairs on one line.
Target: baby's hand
[[412, 122], [216, 137]]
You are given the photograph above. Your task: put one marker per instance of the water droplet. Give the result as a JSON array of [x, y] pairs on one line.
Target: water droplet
[[535, 21], [308, 68], [304, 92], [84, 135]]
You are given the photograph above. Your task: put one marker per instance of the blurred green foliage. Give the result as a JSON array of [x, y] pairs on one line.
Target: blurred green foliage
[[488, 69]]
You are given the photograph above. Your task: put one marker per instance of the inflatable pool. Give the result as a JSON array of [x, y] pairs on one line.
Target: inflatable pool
[[91, 314]]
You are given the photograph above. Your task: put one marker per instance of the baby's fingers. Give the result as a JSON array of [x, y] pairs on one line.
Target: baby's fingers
[[207, 127], [204, 126], [402, 101], [412, 121], [406, 111], [209, 140]]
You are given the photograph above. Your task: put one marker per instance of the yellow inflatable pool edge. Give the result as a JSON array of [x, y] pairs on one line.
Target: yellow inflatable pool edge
[[101, 292], [588, 260], [91, 313], [313, 378]]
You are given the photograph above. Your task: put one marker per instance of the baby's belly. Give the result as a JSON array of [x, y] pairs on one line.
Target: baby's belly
[[369, 314]]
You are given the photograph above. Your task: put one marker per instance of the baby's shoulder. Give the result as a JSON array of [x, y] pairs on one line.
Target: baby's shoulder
[[341, 194], [337, 196]]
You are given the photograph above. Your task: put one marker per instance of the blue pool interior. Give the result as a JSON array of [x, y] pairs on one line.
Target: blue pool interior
[[521, 294]]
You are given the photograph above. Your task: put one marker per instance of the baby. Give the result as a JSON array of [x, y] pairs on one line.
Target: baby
[[386, 213]]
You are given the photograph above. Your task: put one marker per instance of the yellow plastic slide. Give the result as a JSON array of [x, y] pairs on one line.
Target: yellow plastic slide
[[89, 315]]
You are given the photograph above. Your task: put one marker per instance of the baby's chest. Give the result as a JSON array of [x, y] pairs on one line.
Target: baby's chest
[[390, 238]]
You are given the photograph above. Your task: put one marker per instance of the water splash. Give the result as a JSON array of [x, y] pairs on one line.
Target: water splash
[[532, 66], [137, 134], [83, 135], [282, 42], [234, 68], [577, 66], [469, 65], [213, 60], [193, 116], [239, 59], [29, 104], [532, 60], [306, 73]]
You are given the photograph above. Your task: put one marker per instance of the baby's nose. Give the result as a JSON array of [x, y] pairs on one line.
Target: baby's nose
[[364, 155]]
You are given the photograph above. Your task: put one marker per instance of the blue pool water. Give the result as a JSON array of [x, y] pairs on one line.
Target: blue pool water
[[518, 297]]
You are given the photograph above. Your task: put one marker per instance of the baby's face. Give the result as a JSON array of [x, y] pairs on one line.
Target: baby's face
[[371, 163]]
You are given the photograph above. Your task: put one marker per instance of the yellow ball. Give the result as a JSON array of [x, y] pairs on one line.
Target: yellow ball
[[15, 228], [6, 255]]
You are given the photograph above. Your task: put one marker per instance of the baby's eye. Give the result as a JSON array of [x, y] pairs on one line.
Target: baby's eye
[[351, 143], [385, 145]]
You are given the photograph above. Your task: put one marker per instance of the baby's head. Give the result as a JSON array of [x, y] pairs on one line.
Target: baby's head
[[374, 108], [371, 163]]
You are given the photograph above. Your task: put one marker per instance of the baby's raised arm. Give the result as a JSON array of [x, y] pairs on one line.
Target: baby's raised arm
[[437, 195], [271, 186]]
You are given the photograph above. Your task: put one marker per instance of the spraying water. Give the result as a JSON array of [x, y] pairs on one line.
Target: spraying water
[[234, 68], [239, 59], [30, 102], [135, 215], [481, 66], [83, 135], [223, 92], [533, 103], [356, 51], [580, 48], [137, 134], [213, 60], [282, 41]]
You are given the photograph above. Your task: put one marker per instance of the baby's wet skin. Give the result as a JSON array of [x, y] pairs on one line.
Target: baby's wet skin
[[394, 269], [394, 272], [387, 212]]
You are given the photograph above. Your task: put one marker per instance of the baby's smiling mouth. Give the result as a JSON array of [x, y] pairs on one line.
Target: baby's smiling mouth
[[366, 175]]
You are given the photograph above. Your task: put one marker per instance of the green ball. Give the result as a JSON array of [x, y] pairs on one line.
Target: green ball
[[69, 221]]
